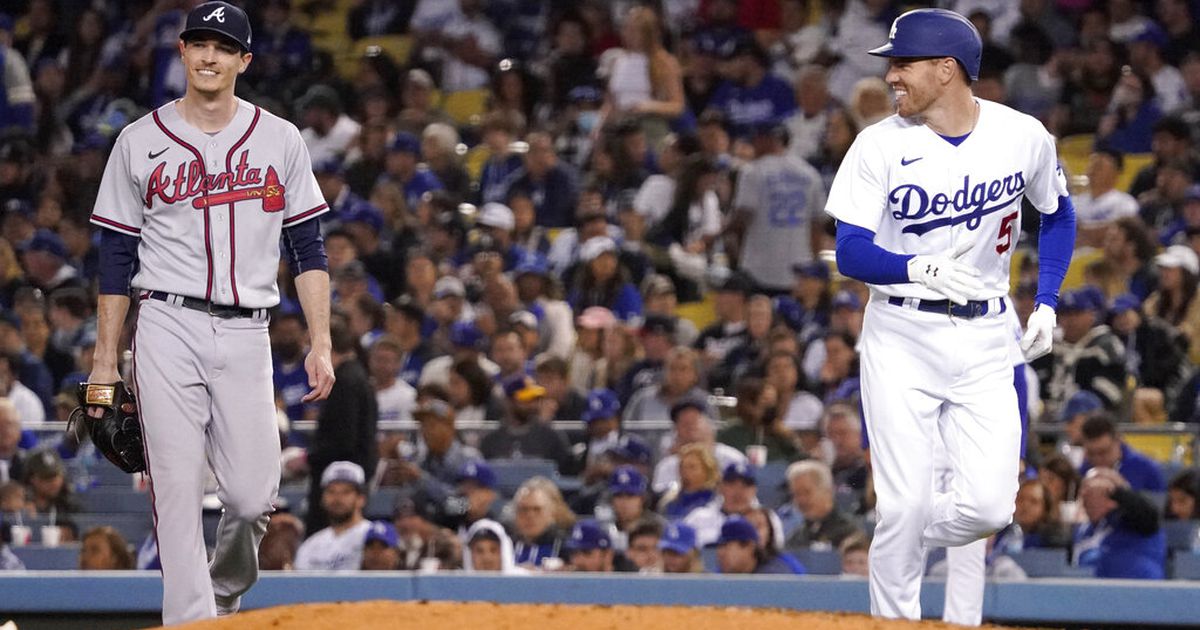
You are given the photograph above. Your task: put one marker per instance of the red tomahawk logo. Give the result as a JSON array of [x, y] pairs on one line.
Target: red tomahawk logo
[[271, 194]]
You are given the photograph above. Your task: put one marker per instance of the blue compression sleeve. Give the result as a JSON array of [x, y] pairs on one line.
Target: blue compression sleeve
[[118, 261], [1056, 242], [860, 258], [305, 247]]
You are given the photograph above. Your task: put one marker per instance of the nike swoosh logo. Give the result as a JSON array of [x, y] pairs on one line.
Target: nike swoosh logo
[[904, 162], [153, 156]]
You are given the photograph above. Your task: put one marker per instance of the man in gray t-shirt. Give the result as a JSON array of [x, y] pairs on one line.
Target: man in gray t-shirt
[[777, 208]]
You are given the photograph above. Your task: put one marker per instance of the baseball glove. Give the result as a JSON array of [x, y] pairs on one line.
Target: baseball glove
[[117, 432]]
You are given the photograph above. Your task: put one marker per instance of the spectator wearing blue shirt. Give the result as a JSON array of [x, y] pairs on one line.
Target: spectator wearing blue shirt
[[287, 353], [498, 130], [1123, 537], [551, 185], [752, 97], [807, 308], [1104, 448], [282, 52], [739, 551], [403, 170], [600, 281]]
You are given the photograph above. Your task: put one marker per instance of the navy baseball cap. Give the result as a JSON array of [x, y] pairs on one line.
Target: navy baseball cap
[[737, 529], [678, 537], [740, 471], [523, 389], [684, 405], [735, 282], [479, 472], [534, 263], [585, 94], [406, 305], [815, 269], [631, 448], [364, 213], [221, 18], [588, 535], [1081, 299], [332, 165], [384, 532], [658, 325], [465, 335], [1125, 302], [627, 480], [601, 404], [1081, 403], [45, 241], [405, 142]]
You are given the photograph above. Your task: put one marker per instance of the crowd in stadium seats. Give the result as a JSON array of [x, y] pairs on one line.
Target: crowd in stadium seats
[[566, 335]]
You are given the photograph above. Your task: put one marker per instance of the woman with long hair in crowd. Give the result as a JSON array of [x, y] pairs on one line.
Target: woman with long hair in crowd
[[1175, 299], [1183, 496], [601, 281], [698, 476], [644, 79]]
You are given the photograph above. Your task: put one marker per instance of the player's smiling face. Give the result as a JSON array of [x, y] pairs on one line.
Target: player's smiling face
[[916, 83], [212, 63]]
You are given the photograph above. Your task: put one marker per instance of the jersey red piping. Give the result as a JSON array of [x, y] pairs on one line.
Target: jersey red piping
[[306, 213], [232, 235], [204, 174], [120, 226]]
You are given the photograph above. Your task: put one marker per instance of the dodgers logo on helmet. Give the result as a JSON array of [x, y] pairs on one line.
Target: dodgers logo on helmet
[[970, 203], [218, 13]]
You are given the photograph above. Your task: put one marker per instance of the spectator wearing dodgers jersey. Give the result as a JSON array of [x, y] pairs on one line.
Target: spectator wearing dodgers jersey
[[339, 546]]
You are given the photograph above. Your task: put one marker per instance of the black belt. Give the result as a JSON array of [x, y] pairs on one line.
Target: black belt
[[224, 311], [970, 310]]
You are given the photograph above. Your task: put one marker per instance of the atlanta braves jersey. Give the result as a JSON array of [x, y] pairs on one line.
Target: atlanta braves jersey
[[209, 208]]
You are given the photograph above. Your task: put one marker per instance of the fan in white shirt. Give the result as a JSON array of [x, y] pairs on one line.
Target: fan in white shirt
[[1102, 203], [394, 397], [338, 547]]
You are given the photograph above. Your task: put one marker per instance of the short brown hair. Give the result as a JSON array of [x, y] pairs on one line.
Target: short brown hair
[[122, 558]]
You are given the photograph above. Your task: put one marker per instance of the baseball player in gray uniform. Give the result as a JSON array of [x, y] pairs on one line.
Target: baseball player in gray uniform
[[193, 203]]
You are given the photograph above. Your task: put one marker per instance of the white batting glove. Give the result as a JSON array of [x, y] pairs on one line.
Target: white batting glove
[[946, 275], [1039, 332]]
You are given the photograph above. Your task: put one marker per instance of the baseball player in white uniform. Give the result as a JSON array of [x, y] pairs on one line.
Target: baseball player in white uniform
[[193, 203], [928, 207]]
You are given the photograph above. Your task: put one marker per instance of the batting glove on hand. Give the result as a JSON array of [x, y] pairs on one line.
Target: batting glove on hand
[[1039, 332], [946, 275]]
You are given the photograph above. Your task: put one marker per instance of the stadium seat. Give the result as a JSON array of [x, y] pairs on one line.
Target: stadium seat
[[105, 474], [772, 484], [292, 497], [1134, 162], [133, 527], [700, 313], [1186, 566], [466, 106], [1181, 535], [1043, 562], [113, 500], [382, 503], [39, 558], [511, 473], [709, 556], [824, 562]]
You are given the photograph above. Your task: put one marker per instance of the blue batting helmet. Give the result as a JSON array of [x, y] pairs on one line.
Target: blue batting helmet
[[934, 33]]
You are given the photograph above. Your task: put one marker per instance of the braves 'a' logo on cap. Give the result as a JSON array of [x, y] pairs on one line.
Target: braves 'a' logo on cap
[[218, 13]]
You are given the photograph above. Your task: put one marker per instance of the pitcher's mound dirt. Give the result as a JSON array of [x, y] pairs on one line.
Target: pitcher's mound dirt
[[487, 616]]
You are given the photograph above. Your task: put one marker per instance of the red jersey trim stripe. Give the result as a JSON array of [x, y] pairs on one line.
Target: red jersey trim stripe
[[306, 214], [232, 235], [203, 173], [120, 227]]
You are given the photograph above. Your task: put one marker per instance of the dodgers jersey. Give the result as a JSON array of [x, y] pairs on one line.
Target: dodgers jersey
[[920, 194], [209, 208]]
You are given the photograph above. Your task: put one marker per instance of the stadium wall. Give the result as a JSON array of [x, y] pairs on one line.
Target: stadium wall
[[1049, 601]]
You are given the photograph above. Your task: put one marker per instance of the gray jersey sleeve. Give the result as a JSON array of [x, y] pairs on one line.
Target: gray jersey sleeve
[[118, 205], [303, 198]]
